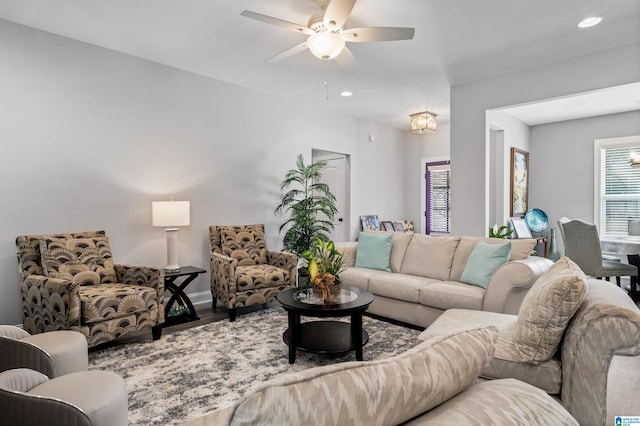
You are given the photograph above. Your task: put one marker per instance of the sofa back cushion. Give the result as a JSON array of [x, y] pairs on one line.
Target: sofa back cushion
[[246, 243], [520, 249], [387, 391], [399, 243], [429, 257], [547, 309], [86, 261]]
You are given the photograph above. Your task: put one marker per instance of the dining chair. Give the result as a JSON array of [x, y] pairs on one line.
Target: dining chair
[[582, 245]]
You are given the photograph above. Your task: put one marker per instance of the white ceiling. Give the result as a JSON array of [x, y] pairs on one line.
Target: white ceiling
[[456, 42]]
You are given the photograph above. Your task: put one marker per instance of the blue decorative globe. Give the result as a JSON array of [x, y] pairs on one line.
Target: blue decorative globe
[[536, 220]]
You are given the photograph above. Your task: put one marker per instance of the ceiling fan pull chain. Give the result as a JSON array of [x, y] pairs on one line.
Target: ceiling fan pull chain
[[326, 89]]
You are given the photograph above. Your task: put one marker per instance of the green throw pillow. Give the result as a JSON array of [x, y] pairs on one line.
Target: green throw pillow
[[483, 262], [374, 251]]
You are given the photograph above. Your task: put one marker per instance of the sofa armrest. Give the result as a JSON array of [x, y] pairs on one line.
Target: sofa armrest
[[606, 325], [510, 283], [223, 276], [288, 261], [49, 304], [145, 276], [18, 354]]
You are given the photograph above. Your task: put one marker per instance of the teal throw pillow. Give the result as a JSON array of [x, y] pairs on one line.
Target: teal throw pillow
[[374, 251], [483, 262]]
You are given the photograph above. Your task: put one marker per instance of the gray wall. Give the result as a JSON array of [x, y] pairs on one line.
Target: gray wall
[[89, 137], [470, 135], [562, 174]]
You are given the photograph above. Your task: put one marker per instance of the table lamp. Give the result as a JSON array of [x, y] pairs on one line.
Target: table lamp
[[170, 215]]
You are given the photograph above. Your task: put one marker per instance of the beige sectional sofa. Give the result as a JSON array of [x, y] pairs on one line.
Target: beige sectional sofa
[[425, 272], [589, 359]]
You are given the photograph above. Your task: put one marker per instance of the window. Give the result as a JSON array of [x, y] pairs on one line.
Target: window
[[438, 199], [617, 183]]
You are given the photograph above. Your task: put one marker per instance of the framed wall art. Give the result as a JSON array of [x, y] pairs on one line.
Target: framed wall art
[[519, 182]]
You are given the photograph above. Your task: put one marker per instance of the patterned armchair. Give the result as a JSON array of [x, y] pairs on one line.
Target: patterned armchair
[[243, 271], [69, 281]]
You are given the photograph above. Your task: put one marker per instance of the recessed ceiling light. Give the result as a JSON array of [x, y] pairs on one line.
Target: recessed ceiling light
[[590, 22], [346, 93]]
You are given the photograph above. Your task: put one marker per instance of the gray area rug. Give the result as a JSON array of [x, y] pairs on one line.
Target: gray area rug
[[194, 372]]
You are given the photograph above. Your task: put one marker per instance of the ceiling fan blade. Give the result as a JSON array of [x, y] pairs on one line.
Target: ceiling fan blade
[[338, 12], [278, 22], [368, 34], [289, 52], [346, 59]]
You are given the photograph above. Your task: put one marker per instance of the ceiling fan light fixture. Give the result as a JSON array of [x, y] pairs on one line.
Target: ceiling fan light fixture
[[325, 45], [423, 122]]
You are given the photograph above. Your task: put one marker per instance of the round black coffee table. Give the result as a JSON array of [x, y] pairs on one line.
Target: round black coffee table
[[330, 337]]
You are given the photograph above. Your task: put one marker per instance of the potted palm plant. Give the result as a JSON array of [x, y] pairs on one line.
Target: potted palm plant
[[310, 209], [309, 205]]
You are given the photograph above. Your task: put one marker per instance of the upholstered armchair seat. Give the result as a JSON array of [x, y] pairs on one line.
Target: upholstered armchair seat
[[243, 271], [70, 282]]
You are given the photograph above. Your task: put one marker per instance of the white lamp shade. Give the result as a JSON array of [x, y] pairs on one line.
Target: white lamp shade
[[171, 214]]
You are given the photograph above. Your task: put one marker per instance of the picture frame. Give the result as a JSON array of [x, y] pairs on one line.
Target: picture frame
[[387, 225], [398, 226], [370, 222], [519, 202], [520, 228]]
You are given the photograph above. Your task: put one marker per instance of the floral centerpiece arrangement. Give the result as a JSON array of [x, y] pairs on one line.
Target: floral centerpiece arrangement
[[325, 265]]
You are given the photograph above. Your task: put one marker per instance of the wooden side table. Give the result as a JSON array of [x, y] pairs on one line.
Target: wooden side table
[[178, 295]]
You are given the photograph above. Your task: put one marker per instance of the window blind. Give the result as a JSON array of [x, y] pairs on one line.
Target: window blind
[[619, 189]]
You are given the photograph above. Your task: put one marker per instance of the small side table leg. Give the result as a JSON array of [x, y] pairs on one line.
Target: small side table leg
[[294, 329], [356, 334]]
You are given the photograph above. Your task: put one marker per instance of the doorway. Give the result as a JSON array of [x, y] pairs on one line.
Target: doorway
[[337, 176]]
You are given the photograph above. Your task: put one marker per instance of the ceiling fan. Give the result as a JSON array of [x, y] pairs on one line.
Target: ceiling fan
[[327, 37]]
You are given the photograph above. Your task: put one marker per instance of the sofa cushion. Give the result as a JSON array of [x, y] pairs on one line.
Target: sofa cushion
[[244, 243], [506, 361], [429, 257], [399, 286], [358, 277], [387, 391], [399, 243], [498, 402], [483, 262], [86, 261], [374, 251], [520, 249], [252, 277], [452, 294], [547, 309], [107, 301]]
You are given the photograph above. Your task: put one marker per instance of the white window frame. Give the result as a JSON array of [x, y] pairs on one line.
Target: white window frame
[[599, 144]]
